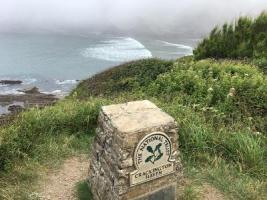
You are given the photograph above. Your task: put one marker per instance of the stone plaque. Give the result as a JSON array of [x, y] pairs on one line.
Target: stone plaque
[[135, 154], [152, 158]]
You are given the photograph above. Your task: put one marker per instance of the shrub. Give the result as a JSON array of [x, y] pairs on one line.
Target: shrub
[[247, 38], [230, 89], [123, 78]]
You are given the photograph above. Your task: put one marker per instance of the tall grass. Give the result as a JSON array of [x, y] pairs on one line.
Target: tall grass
[[41, 139], [198, 138], [35, 129]]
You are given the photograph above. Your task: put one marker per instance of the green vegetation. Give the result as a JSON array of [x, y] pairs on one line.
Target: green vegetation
[[246, 38], [123, 78], [227, 91], [35, 129], [41, 139], [221, 109], [83, 191], [220, 106]]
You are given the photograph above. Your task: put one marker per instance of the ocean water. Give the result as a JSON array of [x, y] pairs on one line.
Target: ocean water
[[56, 63]]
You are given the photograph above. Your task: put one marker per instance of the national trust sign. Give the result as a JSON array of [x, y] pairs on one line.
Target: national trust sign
[[152, 158], [135, 154]]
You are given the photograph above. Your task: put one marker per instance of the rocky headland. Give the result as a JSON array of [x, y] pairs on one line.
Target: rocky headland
[[12, 104]]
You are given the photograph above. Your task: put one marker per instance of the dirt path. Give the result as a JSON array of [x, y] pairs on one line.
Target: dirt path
[[60, 184]]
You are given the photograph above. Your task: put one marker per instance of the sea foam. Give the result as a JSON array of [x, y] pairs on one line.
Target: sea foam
[[118, 50], [188, 49], [64, 82], [28, 81], [8, 91]]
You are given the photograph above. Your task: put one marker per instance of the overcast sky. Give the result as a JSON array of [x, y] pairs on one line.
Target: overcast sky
[[125, 15]]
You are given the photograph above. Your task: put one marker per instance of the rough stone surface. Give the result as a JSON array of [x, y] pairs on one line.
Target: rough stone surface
[[120, 128]]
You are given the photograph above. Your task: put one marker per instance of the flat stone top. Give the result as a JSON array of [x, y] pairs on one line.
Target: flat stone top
[[136, 116]]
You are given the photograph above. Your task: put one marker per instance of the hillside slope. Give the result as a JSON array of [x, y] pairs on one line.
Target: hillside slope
[[220, 106], [221, 109]]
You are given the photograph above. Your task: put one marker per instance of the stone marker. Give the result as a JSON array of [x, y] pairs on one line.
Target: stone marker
[[135, 154]]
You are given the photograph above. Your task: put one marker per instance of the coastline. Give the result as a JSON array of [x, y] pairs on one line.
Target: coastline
[[12, 104]]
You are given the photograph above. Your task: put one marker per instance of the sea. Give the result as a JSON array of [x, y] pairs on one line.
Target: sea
[[55, 63]]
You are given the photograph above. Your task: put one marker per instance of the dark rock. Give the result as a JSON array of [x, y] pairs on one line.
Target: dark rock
[[10, 82], [34, 90], [15, 108]]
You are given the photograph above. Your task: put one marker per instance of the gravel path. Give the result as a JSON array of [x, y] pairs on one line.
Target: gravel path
[[60, 184]]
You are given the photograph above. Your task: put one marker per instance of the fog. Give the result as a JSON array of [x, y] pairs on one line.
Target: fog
[[195, 17]]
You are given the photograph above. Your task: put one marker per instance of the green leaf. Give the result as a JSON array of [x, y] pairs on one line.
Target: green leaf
[[149, 158], [158, 147], [159, 156], [149, 149]]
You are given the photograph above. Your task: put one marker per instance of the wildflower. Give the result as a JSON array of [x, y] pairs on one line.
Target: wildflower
[[232, 90], [210, 89], [231, 93], [257, 133]]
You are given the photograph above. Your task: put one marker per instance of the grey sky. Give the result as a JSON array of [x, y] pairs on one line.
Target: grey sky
[[125, 15]]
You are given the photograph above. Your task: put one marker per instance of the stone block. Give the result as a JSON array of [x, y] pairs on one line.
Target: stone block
[[135, 154]]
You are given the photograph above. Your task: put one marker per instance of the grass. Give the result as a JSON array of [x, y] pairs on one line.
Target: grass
[[40, 140], [83, 191], [222, 131], [226, 177], [197, 138], [22, 181], [232, 162], [220, 106], [190, 192], [35, 132]]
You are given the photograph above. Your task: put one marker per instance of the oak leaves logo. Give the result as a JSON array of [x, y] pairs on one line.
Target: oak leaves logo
[[156, 153]]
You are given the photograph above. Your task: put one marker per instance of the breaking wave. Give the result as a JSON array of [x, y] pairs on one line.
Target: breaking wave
[[186, 48], [118, 50]]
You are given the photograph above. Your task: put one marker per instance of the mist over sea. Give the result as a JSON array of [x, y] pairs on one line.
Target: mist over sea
[[52, 44], [55, 63]]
